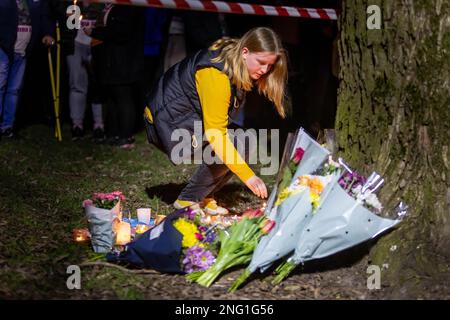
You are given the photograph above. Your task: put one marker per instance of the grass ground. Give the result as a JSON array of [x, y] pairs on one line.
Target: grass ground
[[42, 185]]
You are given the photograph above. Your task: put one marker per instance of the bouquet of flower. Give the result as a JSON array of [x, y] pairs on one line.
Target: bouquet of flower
[[198, 242], [342, 220], [107, 200], [237, 244], [102, 211], [302, 156], [181, 243], [293, 209], [363, 189]]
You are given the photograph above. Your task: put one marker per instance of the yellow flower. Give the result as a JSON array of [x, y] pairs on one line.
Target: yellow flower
[[314, 197], [188, 230], [304, 180], [282, 196], [316, 185]]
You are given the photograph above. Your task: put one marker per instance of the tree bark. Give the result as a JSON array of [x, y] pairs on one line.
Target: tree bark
[[393, 117]]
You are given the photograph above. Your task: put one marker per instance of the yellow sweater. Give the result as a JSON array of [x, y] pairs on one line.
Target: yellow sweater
[[214, 91]]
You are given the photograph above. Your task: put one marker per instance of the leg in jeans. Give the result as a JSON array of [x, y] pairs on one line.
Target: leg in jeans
[[4, 71], [13, 86], [78, 83], [209, 179]]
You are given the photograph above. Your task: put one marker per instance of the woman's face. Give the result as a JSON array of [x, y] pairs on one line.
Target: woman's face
[[258, 63]]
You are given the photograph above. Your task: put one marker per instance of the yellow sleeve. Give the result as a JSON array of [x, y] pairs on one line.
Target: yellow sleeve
[[214, 91], [148, 114]]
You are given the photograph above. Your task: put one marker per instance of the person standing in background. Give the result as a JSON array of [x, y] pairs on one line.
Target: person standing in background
[[23, 22], [176, 42], [82, 77], [119, 59]]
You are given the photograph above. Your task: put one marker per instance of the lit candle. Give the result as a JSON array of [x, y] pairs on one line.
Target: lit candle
[[123, 235], [80, 235], [159, 218], [141, 228]]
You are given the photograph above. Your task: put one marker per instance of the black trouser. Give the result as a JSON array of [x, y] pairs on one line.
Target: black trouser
[[210, 178], [120, 111]]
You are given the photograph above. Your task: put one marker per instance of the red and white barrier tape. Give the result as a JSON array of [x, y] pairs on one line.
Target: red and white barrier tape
[[233, 7]]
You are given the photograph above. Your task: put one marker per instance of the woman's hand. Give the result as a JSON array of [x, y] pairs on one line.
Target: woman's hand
[[257, 186]]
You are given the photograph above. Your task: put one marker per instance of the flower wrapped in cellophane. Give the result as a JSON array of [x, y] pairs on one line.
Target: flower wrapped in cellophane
[[308, 210], [346, 216], [294, 205], [101, 212], [237, 243]]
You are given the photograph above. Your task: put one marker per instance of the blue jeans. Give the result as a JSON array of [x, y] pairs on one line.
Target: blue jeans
[[11, 79]]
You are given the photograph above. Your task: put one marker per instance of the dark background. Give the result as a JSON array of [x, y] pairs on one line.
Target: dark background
[[312, 85]]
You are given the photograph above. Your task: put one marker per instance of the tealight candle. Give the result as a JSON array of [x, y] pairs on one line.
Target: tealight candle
[[141, 228], [123, 235], [80, 235]]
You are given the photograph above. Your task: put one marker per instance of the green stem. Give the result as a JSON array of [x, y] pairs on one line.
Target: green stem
[[283, 271], [193, 277], [239, 281]]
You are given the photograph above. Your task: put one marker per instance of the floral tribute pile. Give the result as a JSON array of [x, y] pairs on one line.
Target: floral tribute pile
[[318, 207]]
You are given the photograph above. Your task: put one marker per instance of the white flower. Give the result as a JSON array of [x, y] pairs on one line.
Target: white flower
[[332, 162], [372, 200]]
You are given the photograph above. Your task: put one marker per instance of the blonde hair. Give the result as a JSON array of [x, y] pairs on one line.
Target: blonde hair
[[261, 39]]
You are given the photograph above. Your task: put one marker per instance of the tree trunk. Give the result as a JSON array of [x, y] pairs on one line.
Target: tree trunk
[[393, 117]]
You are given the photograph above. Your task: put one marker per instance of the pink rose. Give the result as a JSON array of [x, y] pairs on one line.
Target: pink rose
[[298, 155], [267, 226], [87, 202]]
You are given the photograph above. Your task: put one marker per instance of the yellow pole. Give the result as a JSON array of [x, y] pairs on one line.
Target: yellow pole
[[58, 64], [52, 80]]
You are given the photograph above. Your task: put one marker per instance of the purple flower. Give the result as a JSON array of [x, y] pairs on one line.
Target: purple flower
[[351, 180], [210, 237], [197, 259], [190, 214]]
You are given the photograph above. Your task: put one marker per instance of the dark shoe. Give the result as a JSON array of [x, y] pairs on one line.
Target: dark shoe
[[77, 133], [112, 141], [98, 135], [7, 133], [126, 143]]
